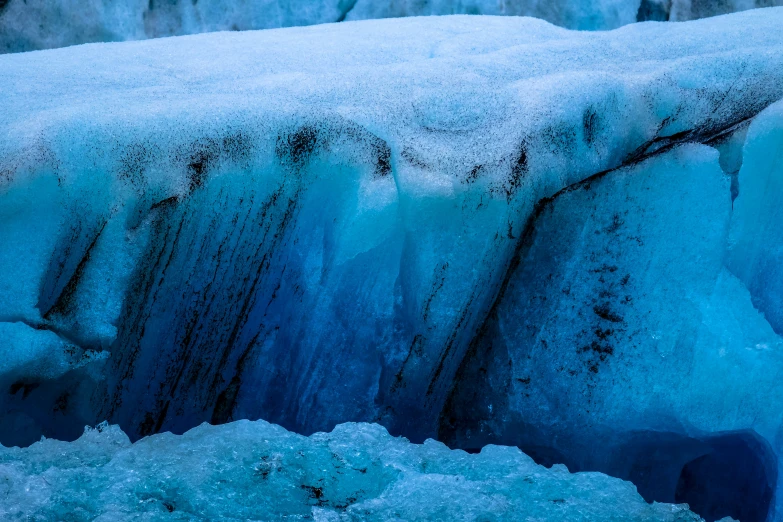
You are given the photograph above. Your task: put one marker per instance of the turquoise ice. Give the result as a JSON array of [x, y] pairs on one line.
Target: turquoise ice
[[478, 229], [258, 471]]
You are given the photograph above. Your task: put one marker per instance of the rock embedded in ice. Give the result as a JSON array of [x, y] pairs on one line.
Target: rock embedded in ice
[[259, 471]]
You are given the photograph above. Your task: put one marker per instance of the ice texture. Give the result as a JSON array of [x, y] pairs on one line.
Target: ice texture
[[756, 239], [482, 229], [620, 321], [27, 25], [644, 311], [258, 471], [314, 234]]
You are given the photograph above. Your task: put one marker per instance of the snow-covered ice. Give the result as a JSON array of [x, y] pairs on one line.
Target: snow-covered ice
[[481, 229]]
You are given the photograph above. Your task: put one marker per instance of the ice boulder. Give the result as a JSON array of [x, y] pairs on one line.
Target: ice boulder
[[259, 471], [314, 234]]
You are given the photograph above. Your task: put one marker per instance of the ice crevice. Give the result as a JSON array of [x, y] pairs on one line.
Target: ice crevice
[[345, 9]]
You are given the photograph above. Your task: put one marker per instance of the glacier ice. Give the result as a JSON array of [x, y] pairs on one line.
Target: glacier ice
[[27, 25], [655, 311], [481, 229], [258, 471], [323, 250], [756, 238], [621, 320]]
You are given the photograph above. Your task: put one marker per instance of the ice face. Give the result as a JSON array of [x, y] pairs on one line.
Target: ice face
[[325, 249], [361, 222], [27, 25], [621, 320], [755, 253], [655, 310], [259, 471]]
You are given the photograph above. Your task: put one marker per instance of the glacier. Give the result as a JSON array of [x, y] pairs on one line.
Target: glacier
[[27, 25], [484, 230]]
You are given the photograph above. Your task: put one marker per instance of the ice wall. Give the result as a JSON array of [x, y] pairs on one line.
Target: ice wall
[[259, 471], [756, 236], [622, 320], [27, 25], [314, 234], [370, 221]]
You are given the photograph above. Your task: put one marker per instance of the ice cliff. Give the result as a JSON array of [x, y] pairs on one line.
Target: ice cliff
[[479, 229], [27, 25]]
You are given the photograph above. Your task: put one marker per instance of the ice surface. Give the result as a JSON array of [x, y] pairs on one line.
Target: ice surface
[[622, 319], [313, 233], [27, 25], [259, 471], [756, 240], [583, 14], [372, 221]]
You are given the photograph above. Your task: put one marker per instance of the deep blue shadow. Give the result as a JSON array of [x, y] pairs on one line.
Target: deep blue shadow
[[730, 474]]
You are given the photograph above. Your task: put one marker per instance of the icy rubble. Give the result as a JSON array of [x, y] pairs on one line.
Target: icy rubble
[[259, 471], [27, 25]]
